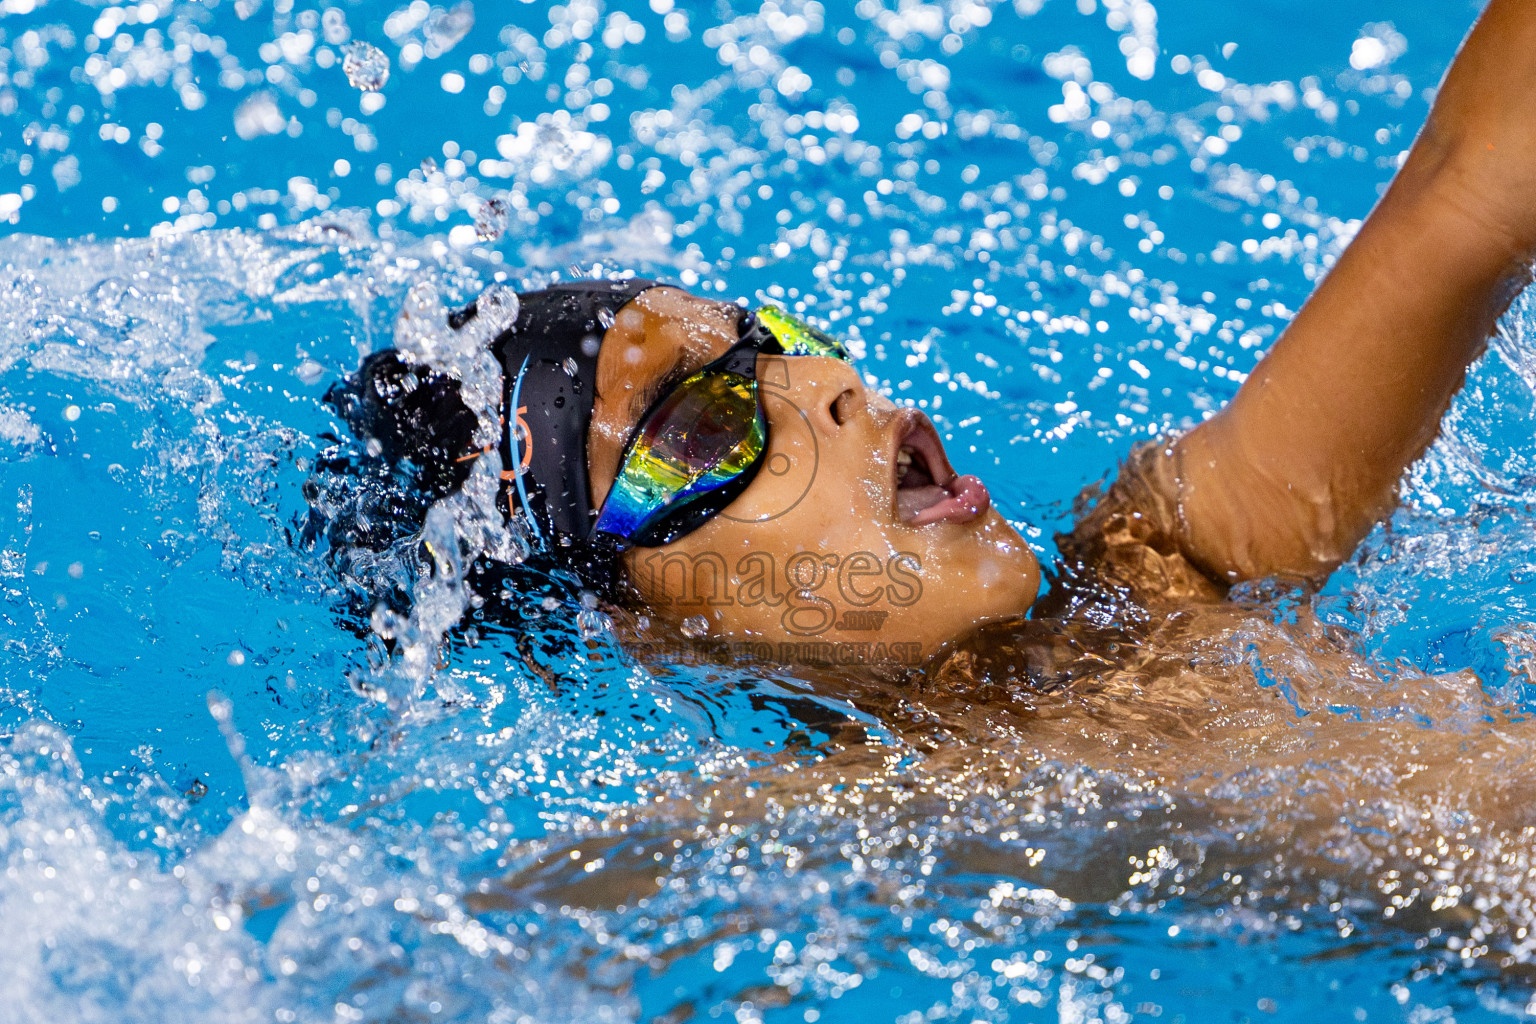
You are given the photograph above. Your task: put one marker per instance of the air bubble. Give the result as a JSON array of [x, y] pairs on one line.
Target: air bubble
[[695, 626]]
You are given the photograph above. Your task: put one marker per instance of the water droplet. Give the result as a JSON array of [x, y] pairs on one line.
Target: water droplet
[[605, 317], [366, 66], [334, 23], [429, 167], [309, 371], [695, 626], [443, 29], [497, 307], [491, 220], [259, 116], [570, 366]]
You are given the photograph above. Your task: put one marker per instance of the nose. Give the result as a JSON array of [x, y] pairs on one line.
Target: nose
[[828, 392]]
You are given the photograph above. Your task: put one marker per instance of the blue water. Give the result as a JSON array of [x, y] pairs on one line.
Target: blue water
[[1058, 226]]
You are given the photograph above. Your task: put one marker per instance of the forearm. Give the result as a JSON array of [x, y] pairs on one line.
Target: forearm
[[1308, 456], [1353, 393]]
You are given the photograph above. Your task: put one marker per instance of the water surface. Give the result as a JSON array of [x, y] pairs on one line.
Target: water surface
[[1059, 227]]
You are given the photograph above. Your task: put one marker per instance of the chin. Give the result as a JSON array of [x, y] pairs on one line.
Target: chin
[[1007, 561], [1011, 604]]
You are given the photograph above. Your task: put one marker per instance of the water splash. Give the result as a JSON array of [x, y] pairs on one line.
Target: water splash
[[517, 818]]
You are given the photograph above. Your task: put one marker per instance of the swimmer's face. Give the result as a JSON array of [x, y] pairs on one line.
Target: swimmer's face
[[839, 539]]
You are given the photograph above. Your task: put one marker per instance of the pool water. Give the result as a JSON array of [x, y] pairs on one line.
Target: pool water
[[1060, 227]]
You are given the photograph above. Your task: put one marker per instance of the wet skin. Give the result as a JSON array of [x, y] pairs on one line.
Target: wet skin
[[1286, 480], [823, 545], [1411, 793]]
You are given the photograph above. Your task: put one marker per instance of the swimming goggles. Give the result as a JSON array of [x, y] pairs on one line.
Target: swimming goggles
[[698, 447]]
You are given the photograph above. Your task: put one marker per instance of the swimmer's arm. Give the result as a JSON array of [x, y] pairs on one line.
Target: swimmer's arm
[[1307, 457]]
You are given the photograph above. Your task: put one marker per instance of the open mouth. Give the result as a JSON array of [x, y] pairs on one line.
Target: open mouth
[[927, 488]]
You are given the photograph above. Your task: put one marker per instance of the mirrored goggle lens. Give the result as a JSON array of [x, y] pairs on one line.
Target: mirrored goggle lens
[[688, 460], [798, 337]]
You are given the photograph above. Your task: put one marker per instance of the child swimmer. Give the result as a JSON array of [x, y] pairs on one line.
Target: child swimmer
[[730, 473]]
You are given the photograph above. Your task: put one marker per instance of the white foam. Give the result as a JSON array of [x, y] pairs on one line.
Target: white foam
[[17, 428]]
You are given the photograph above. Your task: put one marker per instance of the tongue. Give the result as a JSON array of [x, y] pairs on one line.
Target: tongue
[[962, 500]]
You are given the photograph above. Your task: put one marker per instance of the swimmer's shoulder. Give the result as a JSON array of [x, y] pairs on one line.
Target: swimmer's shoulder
[[1131, 538]]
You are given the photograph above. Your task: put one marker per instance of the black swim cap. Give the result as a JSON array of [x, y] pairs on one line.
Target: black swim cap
[[549, 368]]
